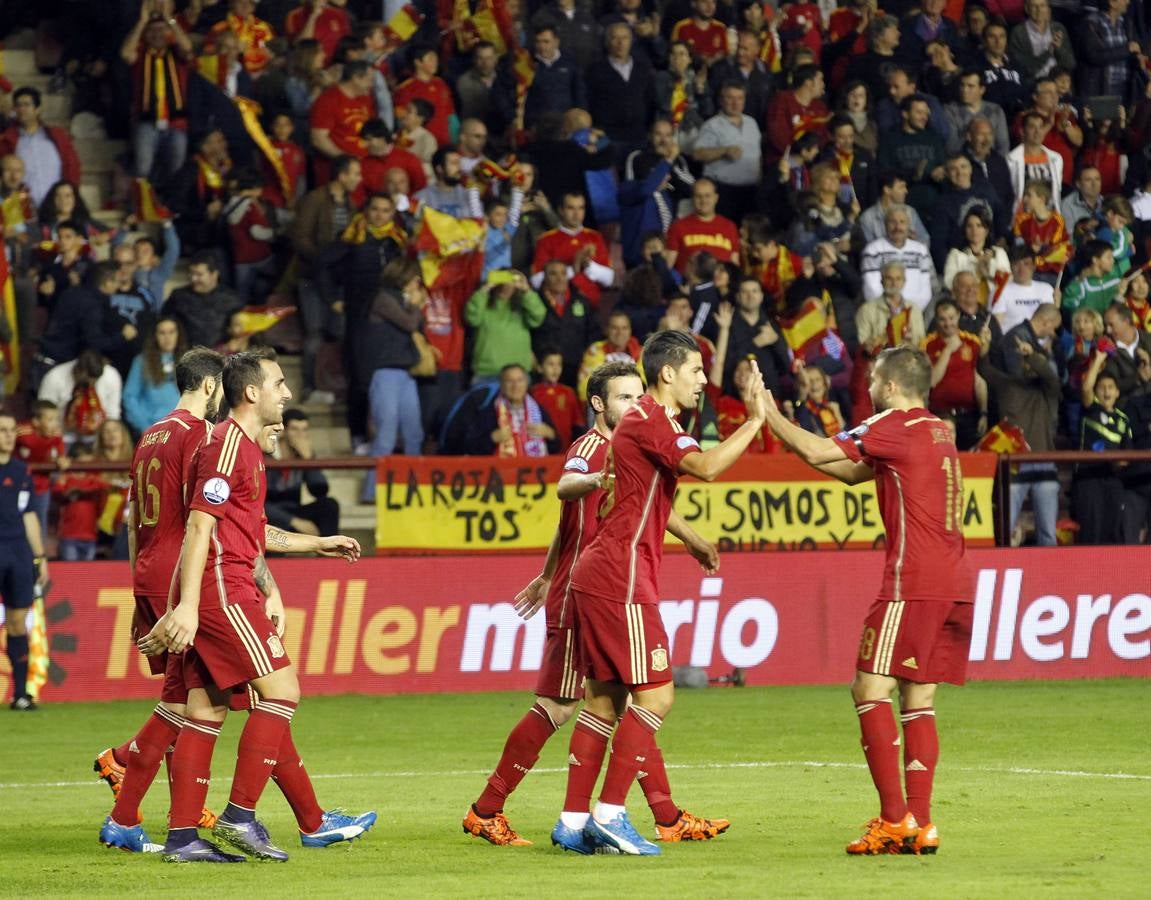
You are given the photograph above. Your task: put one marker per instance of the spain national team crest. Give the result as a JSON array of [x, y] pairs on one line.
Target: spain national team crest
[[276, 646], [658, 660]]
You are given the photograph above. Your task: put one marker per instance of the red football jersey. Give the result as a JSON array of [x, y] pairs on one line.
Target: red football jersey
[[708, 42], [161, 467], [579, 520], [331, 24], [229, 484], [37, 448], [342, 117], [691, 234], [920, 491], [562, 406], [956, 390], [295, 166], [622, 562], [564, 245]]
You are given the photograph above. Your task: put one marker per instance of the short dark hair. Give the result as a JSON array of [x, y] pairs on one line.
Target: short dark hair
[[376, 128], [906, 103], [196, 365], [247, 178], [1119, 308], [28, 91], [1095, 248], [207, 258], [441, 155], [43, 406], [340, 164], [838, 121], [244, 370], [425, 109], [909, 368], [803, 74], [106, 271], [354, 68], [398, 272], [419, 51], [1020, 252], [71, 225], [947, 303], [978, 73], [598, 382], [294, 415], [666, 348]]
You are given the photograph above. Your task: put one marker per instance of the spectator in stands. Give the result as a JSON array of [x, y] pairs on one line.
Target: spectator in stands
[[1097, 490], [114, 445], [702, 32], [284, 505], [370, 44], [957, 391], [1083, 208], [1109, 51], [1041, 228], [621, 89], [196, 195], [446, 193], [84, 319], [253, 34], [620, 345], [558, 84], [1137, 475], [891, 319], [870, 67], [63, 203], [582, 249], [1119, 215], [988, 167], [47, 151], [1097, 283], [1031, 160], [1005, 84], [977, 255], [158, 52], [150, 391], [569, 324], [475, 89], [902, 83], [154, 270], [513, 425], [971, 105], [729, 147], [683, 95], [1040, 44], [338, 114], [745, 68], [325, 21], [855, 164], [88, 390], [536, 216], [753, 332], [815, 411], [385, 153], [1061, 131], [79, 496], [897, 246], [1030, 400], [411, 133], [704, 229], [928, 25], [385, 350], [655, 180], [1130, 344], [1135, 291], [250, 234], [1017, 300], [66, 268], [41, 441], [323, 215], [958, 199], [916, 152], [575, 27], [128, 302], [503, 314], [307, 77], [556, 398], [798, 111], [203, 306], [472, 146], [872, 222]]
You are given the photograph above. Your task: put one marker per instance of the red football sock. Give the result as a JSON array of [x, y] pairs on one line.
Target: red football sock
[[191, 771], [920, 755], [881, 747], [521, 750], [633, 741], [122, 755], [585, 759], [260, 743], [652, 778], [143, 762], [292, 779]]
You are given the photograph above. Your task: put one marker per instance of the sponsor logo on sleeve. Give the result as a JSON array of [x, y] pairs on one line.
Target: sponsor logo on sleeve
[[216, 491]]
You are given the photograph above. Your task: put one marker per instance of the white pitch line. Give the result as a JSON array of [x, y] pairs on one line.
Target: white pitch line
[[754, 764]]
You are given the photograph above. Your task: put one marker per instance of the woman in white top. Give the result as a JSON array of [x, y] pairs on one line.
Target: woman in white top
[[978, 256]]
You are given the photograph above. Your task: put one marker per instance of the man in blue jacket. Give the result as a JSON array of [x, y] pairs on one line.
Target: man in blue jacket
[[654, 181]]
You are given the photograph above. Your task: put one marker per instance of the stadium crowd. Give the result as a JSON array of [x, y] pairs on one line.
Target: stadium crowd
[[803, 184]]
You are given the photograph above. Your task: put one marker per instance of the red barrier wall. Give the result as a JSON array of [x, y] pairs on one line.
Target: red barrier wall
[[421, 625]]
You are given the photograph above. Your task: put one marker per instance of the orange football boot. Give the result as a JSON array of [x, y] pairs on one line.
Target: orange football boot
[[884, 837], [112, 773], [495, 830], [926, 841], [689, 827]]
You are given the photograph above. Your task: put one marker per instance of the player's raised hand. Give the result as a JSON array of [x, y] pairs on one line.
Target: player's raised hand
[[180, 628], [529, 600], [755, 393], [341, 546]]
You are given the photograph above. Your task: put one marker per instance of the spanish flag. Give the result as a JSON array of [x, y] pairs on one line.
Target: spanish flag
[[403, 24], [254, 319], [1003, 437], [678, 102], [146, 206], [490, 22], [806, 327], [250, 115], [524, 70], [441, 237], [10, 351]]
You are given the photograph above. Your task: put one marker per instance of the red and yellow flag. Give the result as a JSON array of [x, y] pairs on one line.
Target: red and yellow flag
[[9, 351], [524, 70], [146, 206], [260, 318], [678, 102], [1003, 437], [809, 324], [440, 236], [403, 24], [250, 114]]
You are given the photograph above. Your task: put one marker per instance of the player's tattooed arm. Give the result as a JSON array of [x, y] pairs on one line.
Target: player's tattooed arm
[[263, 577], [277, 538]]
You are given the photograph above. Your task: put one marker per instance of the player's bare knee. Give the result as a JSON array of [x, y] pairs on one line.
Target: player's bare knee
[[560, 709], [279, 685], [208, 706], [914, 695], [657, 700]]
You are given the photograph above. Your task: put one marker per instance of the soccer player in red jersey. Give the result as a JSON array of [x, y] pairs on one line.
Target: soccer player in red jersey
[[918, 631], [236, 632], [156, 512], [613, 388], [615, 595]]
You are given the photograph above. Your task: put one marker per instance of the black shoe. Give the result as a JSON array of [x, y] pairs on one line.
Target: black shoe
[[23, 704]]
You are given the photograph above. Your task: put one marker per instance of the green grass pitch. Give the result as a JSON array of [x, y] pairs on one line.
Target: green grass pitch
[[1044, 791]]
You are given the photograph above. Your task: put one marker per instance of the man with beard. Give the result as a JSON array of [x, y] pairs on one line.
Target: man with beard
[[447, 194], [918, 631]]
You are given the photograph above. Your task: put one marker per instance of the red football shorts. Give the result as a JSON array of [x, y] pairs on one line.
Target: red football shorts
[[234, 644], [561, 672], [622, 642], [170, 665], [922, 641]]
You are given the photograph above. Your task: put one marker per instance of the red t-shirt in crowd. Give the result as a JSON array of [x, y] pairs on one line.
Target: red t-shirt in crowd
[[562, 406], [343, 117], [80, 512], [920, 491], [564, 245], [957, 389], [161, 469], [707, 41], [788, 120], [691, 234], [331, 25], [437, 93], [294, 162], [622, 563], [376, 169], [37, 448]]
